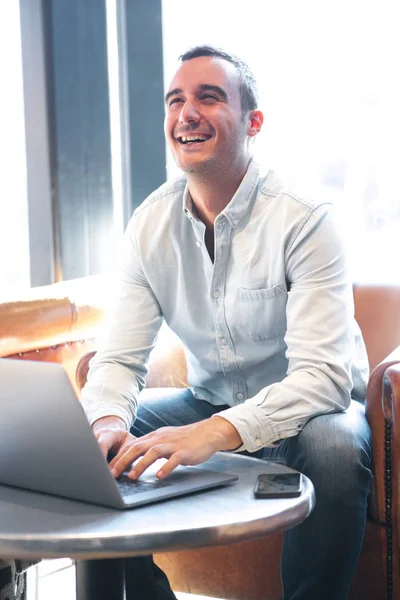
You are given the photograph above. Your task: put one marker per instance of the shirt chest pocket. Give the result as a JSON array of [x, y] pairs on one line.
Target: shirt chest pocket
[[262, 312]]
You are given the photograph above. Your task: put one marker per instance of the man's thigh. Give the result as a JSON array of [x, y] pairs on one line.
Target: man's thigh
[[333, 449], [170, 407]]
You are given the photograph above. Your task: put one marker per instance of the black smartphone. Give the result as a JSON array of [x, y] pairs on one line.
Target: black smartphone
[[278, 485]]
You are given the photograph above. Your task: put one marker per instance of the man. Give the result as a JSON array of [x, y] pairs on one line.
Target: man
[[253, 280]]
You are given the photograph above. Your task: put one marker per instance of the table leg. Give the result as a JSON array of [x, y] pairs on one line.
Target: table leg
[[100, 579]]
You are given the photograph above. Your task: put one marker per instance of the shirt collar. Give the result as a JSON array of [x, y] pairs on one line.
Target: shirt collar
[[244, 195], [240, 202], [188, 206]]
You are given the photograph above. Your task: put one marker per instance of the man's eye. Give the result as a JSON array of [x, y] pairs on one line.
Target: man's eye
[[174, 101], [210, 98]]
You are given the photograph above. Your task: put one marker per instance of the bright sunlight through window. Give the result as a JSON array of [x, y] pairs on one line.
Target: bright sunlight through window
[[327, 74]]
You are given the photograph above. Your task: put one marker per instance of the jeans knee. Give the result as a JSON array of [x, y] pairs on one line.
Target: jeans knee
[[336, 457]]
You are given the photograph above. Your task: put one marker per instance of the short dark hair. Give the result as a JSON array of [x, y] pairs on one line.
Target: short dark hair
[[247, 82]]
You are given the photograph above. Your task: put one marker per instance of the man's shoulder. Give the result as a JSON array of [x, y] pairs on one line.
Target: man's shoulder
[[272, 188], [166, 193]]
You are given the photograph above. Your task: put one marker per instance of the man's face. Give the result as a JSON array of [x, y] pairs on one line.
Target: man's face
[[204, 125]]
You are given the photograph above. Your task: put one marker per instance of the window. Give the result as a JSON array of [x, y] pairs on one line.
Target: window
[[14, 240], [82, 148]]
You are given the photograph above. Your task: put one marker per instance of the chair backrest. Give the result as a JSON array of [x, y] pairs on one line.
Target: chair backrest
[[377, 311]]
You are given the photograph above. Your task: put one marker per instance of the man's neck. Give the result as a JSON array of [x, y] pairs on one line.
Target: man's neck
[[211, 194]]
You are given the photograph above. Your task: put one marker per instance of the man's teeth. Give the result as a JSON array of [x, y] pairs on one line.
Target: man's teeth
[[194, 138]]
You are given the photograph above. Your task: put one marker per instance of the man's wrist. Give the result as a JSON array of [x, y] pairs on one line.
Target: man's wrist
[[109, 422], [228, 436]]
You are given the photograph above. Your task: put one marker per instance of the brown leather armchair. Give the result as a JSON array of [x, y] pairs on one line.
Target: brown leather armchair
[[49, 326]]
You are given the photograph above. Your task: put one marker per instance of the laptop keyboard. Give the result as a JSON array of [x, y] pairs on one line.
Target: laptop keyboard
[[127, 487]]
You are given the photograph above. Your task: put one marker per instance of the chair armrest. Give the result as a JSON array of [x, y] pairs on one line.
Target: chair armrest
[[391, 410], [82, 369], [382, 406]]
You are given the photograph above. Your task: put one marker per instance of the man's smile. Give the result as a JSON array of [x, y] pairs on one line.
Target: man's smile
[[194, 138]]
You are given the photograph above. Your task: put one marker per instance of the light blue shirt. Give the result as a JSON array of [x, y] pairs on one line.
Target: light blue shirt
[[268, 328]]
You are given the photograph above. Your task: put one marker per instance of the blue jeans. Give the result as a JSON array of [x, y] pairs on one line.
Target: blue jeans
[[319, 555]]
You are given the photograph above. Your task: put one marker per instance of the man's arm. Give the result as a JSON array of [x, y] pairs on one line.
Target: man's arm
[[319, 339], [117, 372]]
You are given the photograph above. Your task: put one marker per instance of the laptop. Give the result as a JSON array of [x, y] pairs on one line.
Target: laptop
[[48, 446]]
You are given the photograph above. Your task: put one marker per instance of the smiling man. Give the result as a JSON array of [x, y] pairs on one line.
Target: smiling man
[[253, 280]]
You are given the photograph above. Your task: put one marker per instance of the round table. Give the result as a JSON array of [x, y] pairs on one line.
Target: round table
[[34, 525]]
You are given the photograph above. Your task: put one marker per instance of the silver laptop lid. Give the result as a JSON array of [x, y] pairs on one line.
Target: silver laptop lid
[[46, 443]]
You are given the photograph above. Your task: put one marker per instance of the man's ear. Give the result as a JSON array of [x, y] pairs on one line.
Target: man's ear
[[256, 120]]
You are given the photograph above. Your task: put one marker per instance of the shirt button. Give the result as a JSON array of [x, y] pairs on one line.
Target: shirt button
[[198, 244], [258, 442], [223, 341], [216, 294], [239, 396], [235, 221]]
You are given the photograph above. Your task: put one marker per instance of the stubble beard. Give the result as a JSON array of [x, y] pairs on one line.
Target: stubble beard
[[201, 168]]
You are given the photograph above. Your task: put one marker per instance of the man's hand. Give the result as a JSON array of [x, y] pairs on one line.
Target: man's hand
[[111, 434], [186, 445]]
